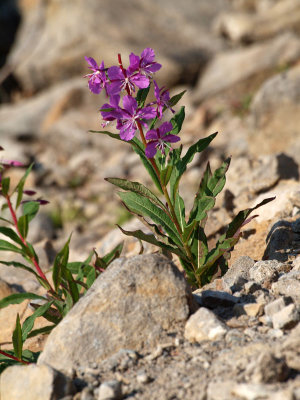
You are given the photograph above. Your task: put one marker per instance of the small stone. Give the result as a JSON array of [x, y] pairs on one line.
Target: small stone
[[264, 271], [250, 309], [287, 287], [34, 382], [204, 325], [213, 298], [110, 390], [142, 377], [286, 318], [251, 287], [277, 305], [238, 273], [269, 369]]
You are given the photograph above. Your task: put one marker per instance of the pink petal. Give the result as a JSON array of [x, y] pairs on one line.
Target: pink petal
[[152, 135], [171, 138], [148, 55], [147, 113], [115, 73], [151, 149], [164, 128], [91, 62], [141, 81], [129, 104]]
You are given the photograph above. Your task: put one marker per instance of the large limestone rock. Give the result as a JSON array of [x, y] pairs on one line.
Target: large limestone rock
[[240, 65], [132, 305]]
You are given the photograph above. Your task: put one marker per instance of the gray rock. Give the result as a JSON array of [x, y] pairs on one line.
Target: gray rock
[[231, 67], [212, 298], [240, 27], [268, 369], [286, 318], [34, 382], [238, 273], [277, 305], [204, 325], [288, 285], [263, 272], [110, 390], [132, 305]]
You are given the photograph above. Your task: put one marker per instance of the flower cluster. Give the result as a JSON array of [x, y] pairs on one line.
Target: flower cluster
[[130, 116]]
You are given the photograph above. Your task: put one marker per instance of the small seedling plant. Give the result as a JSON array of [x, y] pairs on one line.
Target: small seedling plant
[[151, 133], [64, 286]]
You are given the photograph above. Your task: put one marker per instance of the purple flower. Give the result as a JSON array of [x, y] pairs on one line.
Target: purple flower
[[11, 163], [145, 64], [97, 79], [131, 114], [120, 79], [162, 99], [159, 139], [114, 111]]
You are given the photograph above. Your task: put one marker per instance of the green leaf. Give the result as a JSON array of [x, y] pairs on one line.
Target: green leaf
[[145, 207], [177, 121], [147, 164], [23, 225], [142, 96], [20, 186], [11, 234], [31, 209], [165, 175], [60, 263], [199, 247], [29, 322], [7, 246], [204, 204], [5, 183], [181, 165], [241, 217], [73, 289], [175, 99], [68, 302], [40, 331], [180, 211], [138, 188], [149, 238], [17, 298], [19, 265], [110, 134], [218, 180], [17, 339], [91, 278], [112, 255]]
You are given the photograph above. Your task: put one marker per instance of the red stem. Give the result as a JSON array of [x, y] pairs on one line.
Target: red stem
[[33, 259], [13, 357]]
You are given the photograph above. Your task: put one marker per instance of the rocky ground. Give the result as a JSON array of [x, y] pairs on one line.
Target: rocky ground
[[239, 61]]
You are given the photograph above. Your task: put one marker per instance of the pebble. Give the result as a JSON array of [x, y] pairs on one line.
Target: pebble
[[286, 318], [110, 390]]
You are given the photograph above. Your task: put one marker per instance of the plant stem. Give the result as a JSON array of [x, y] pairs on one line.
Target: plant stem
[[13, 357], [167, 197], [33, 258]]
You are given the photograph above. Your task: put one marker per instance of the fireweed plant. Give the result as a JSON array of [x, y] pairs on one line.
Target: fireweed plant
[[140, 125], [69, 280]]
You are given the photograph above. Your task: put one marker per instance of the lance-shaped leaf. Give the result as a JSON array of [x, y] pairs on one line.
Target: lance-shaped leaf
[[31, 209], [60, 263], [23, 225], [149, 238], [145, 207], [29, 322], [112, 255], [181, 165], [110, 134], [241, 217], [177, 121], [199, 247], [175, 99], [180, 211], [17, 298], [7, 246], [20, 186], [217, 181], [73, 288], [142, 96], [138, 188], [40, 331], [8, 232], [17, 339], [5, 183], [19, 265]]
